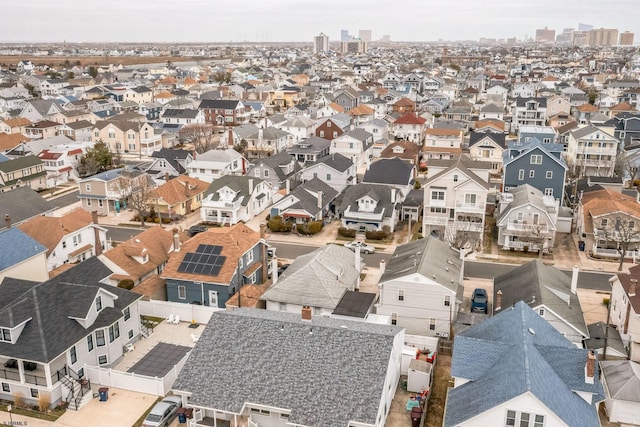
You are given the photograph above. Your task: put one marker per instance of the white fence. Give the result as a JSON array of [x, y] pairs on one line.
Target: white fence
[[187, 312], [421, 342], [156, 386]]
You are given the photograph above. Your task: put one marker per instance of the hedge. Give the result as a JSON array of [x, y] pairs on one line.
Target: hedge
[[276, 224], [346, 232], [376, 235], [310, 228]]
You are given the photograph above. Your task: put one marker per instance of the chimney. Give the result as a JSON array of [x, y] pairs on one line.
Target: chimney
[[250, 186], [274, 270], [498, 304], [230, 139], [263, 230], [7, 220], [358, 263], [574, 279], [590, 368], [306, 313], [383, 266], [96, 233], [176, 240], [320, 205], [287, 186], [393, 195], [632, 287]]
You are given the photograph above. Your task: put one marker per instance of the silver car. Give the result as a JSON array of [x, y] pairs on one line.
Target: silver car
[[163, 412], [364, 248]]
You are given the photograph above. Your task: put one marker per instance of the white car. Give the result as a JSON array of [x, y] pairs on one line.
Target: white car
[[163, 412], [364, 248]]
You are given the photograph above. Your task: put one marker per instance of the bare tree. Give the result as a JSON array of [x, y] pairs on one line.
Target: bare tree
[[627, 168], [619, 232], [202, 136], [136, 191]]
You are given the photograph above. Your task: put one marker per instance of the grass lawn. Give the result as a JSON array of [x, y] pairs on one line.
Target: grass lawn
[[52, 415]]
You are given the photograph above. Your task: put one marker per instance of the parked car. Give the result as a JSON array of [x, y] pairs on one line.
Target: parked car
[[367, 249], [195, 229], [163, 413], [479, 301]]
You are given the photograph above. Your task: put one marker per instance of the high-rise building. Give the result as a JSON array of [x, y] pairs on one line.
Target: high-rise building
[[565, 36], [344, 36], [580, 38], [354, 46], [386, 38], [321, 43], [365, 35], [546, 35], [585, 27], [603, 37], [626, 38]]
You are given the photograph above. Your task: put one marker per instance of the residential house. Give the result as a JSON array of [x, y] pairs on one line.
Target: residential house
[[491, 112], [280, 170], [627, 128], [22, 204], [266, 142], [300, 127], [527, 219], [43, 129], [70, 238], [168, 163], [39, 109], [544, 134], [592, 152], [488, 147], [370, 207], [9, 141], [26, 171], [185, 117], [79, 131], [529, 111], [394, 172], [621, 380], [309, 150], [409, 127], [16, 125], [334, 126], [442, 143], [27, 258], [454, 205], [558, 104], [310, 201], [356, 144], [232, 198], [108, 191], [544, 378], [272, 340], [215, 164], [139, 95], [317, 280], [211, 266], [143, 256], [61, 163], [404, 106], [42, 364], [179, 196], [421, 287], [607, 219], [335, 170], [549, 292], [347, 98], [537, 164], [224, 112], [123, 136], [405, 150]]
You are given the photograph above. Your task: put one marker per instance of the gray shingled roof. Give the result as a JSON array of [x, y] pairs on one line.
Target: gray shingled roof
[[317, 279], [327, 372], [307, 195], [237, 183], [21, 204], [623, 379], [336, 161], [380, 193], [518, 352], [392, 171]]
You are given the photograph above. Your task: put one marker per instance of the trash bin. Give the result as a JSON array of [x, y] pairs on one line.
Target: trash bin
[[182, 416], [416, 415], [104, 394], [581, 245]]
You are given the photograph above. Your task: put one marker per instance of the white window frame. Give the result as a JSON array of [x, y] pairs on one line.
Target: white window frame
[[521, 175], [106, 359], [548, 192], [400, 294], [432, 323], [394, 318], [532, 173], [182, 292], [549, 175], [437, 194], [535, 159], [447, 300]]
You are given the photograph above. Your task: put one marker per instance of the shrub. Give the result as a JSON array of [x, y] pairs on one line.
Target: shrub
[[276, 224], [148, 219], [126, 284], [376, 235], [605, 302], [18, 400], [156, 220], [525, 248], [166, 220], [417, 185], [310, 228], [43, 402], [346, 232]]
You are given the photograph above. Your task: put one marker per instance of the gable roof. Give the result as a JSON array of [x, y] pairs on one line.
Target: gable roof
[[623, 379], [237, 183], [21, 204], [392, 171], [332, 390], [50, 230], [335, 161], [179, 189], [517, 352], [22, 247], [410, 119], [477, 137]]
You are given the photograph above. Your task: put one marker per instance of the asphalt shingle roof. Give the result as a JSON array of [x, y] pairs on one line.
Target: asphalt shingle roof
[[17, 247]]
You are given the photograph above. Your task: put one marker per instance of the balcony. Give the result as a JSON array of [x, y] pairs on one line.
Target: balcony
[[33, 373], [224, 204], [363, 215], [516, 228], [436, 220], [477, 227], [470, 207]]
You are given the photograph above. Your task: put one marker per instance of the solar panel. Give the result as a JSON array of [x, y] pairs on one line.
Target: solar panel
[[217, 250], [205, 260], [214, 270]]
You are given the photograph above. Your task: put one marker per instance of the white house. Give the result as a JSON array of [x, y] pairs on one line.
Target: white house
[[215, 164], [356, 144], [625, 310], [233, 198], [335, 170]]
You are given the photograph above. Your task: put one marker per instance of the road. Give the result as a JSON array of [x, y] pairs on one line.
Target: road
[[120, 234], [65, 200], [473, 269]]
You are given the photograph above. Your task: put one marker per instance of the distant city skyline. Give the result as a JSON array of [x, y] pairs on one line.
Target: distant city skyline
[[192, 21]]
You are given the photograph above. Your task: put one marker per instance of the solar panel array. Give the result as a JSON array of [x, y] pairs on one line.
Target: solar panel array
[[205, 260]]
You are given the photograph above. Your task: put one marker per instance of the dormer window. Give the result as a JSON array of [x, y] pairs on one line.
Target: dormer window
[[5, 334], [98, 303]]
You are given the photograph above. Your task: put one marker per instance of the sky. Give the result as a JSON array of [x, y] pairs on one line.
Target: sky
[[176, 21]]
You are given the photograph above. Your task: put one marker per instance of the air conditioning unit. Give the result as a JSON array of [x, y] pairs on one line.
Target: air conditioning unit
[[442, 334]]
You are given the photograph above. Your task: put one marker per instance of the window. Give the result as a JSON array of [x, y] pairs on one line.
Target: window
[[284, 416], [469, 199], [328, 177], [548, 192], [257, 173], [604, 222], [532, 173], [249, 257], [87, 188], [73, 355], [455, 178], [100, 338], [523, 419], [438, 210], [98, 303], [631, 225], [400, 294], [394, 318], [541, 312], [447, 300], [538, 421], [182, 292], [130, 334], [114, 332], [266, 173], [437, 195], [77, 239], [321, 134], [89, 343], [102, 359], [521, 174], [432, 323], [127, 314], [34, 393], [6, 388], [549, 175], [5, 334], [536, 159]]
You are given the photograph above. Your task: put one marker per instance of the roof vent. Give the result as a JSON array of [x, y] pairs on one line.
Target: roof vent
[[531, 331]]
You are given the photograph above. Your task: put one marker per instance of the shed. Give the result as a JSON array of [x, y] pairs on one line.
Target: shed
[[419, 376], [408, 354], [621, 379]]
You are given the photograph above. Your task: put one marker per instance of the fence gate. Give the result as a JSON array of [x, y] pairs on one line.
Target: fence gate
[[445, 346]]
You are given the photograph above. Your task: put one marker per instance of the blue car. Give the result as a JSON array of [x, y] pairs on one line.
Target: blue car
[[479, 301]]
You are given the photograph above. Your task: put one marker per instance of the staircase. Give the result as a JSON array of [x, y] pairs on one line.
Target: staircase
[[78, 389], [145, 331], [450, 233]]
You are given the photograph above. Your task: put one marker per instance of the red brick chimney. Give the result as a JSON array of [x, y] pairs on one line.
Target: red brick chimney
[[306, 313], [7, 220], [633, 283], [96, 233], [590, 368]]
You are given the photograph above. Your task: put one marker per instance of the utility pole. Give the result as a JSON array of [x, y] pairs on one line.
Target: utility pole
[[606, 330]]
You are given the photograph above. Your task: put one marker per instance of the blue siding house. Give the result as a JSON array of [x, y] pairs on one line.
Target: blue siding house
[[212, 266], [537, 164]]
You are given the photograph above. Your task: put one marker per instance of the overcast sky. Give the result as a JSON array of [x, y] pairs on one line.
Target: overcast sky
[[300, 20]]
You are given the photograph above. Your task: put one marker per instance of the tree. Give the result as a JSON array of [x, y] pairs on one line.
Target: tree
[[241, 148], [94, 160], [619, 232], [202, 136], [93, 72], [627, 168], [135, 189]]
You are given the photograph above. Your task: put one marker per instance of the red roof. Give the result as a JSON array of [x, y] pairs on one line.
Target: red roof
[[47, 155], [76, 151], [410, 119]]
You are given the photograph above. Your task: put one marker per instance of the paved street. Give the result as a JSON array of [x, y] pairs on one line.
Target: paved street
[[120, 234]]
